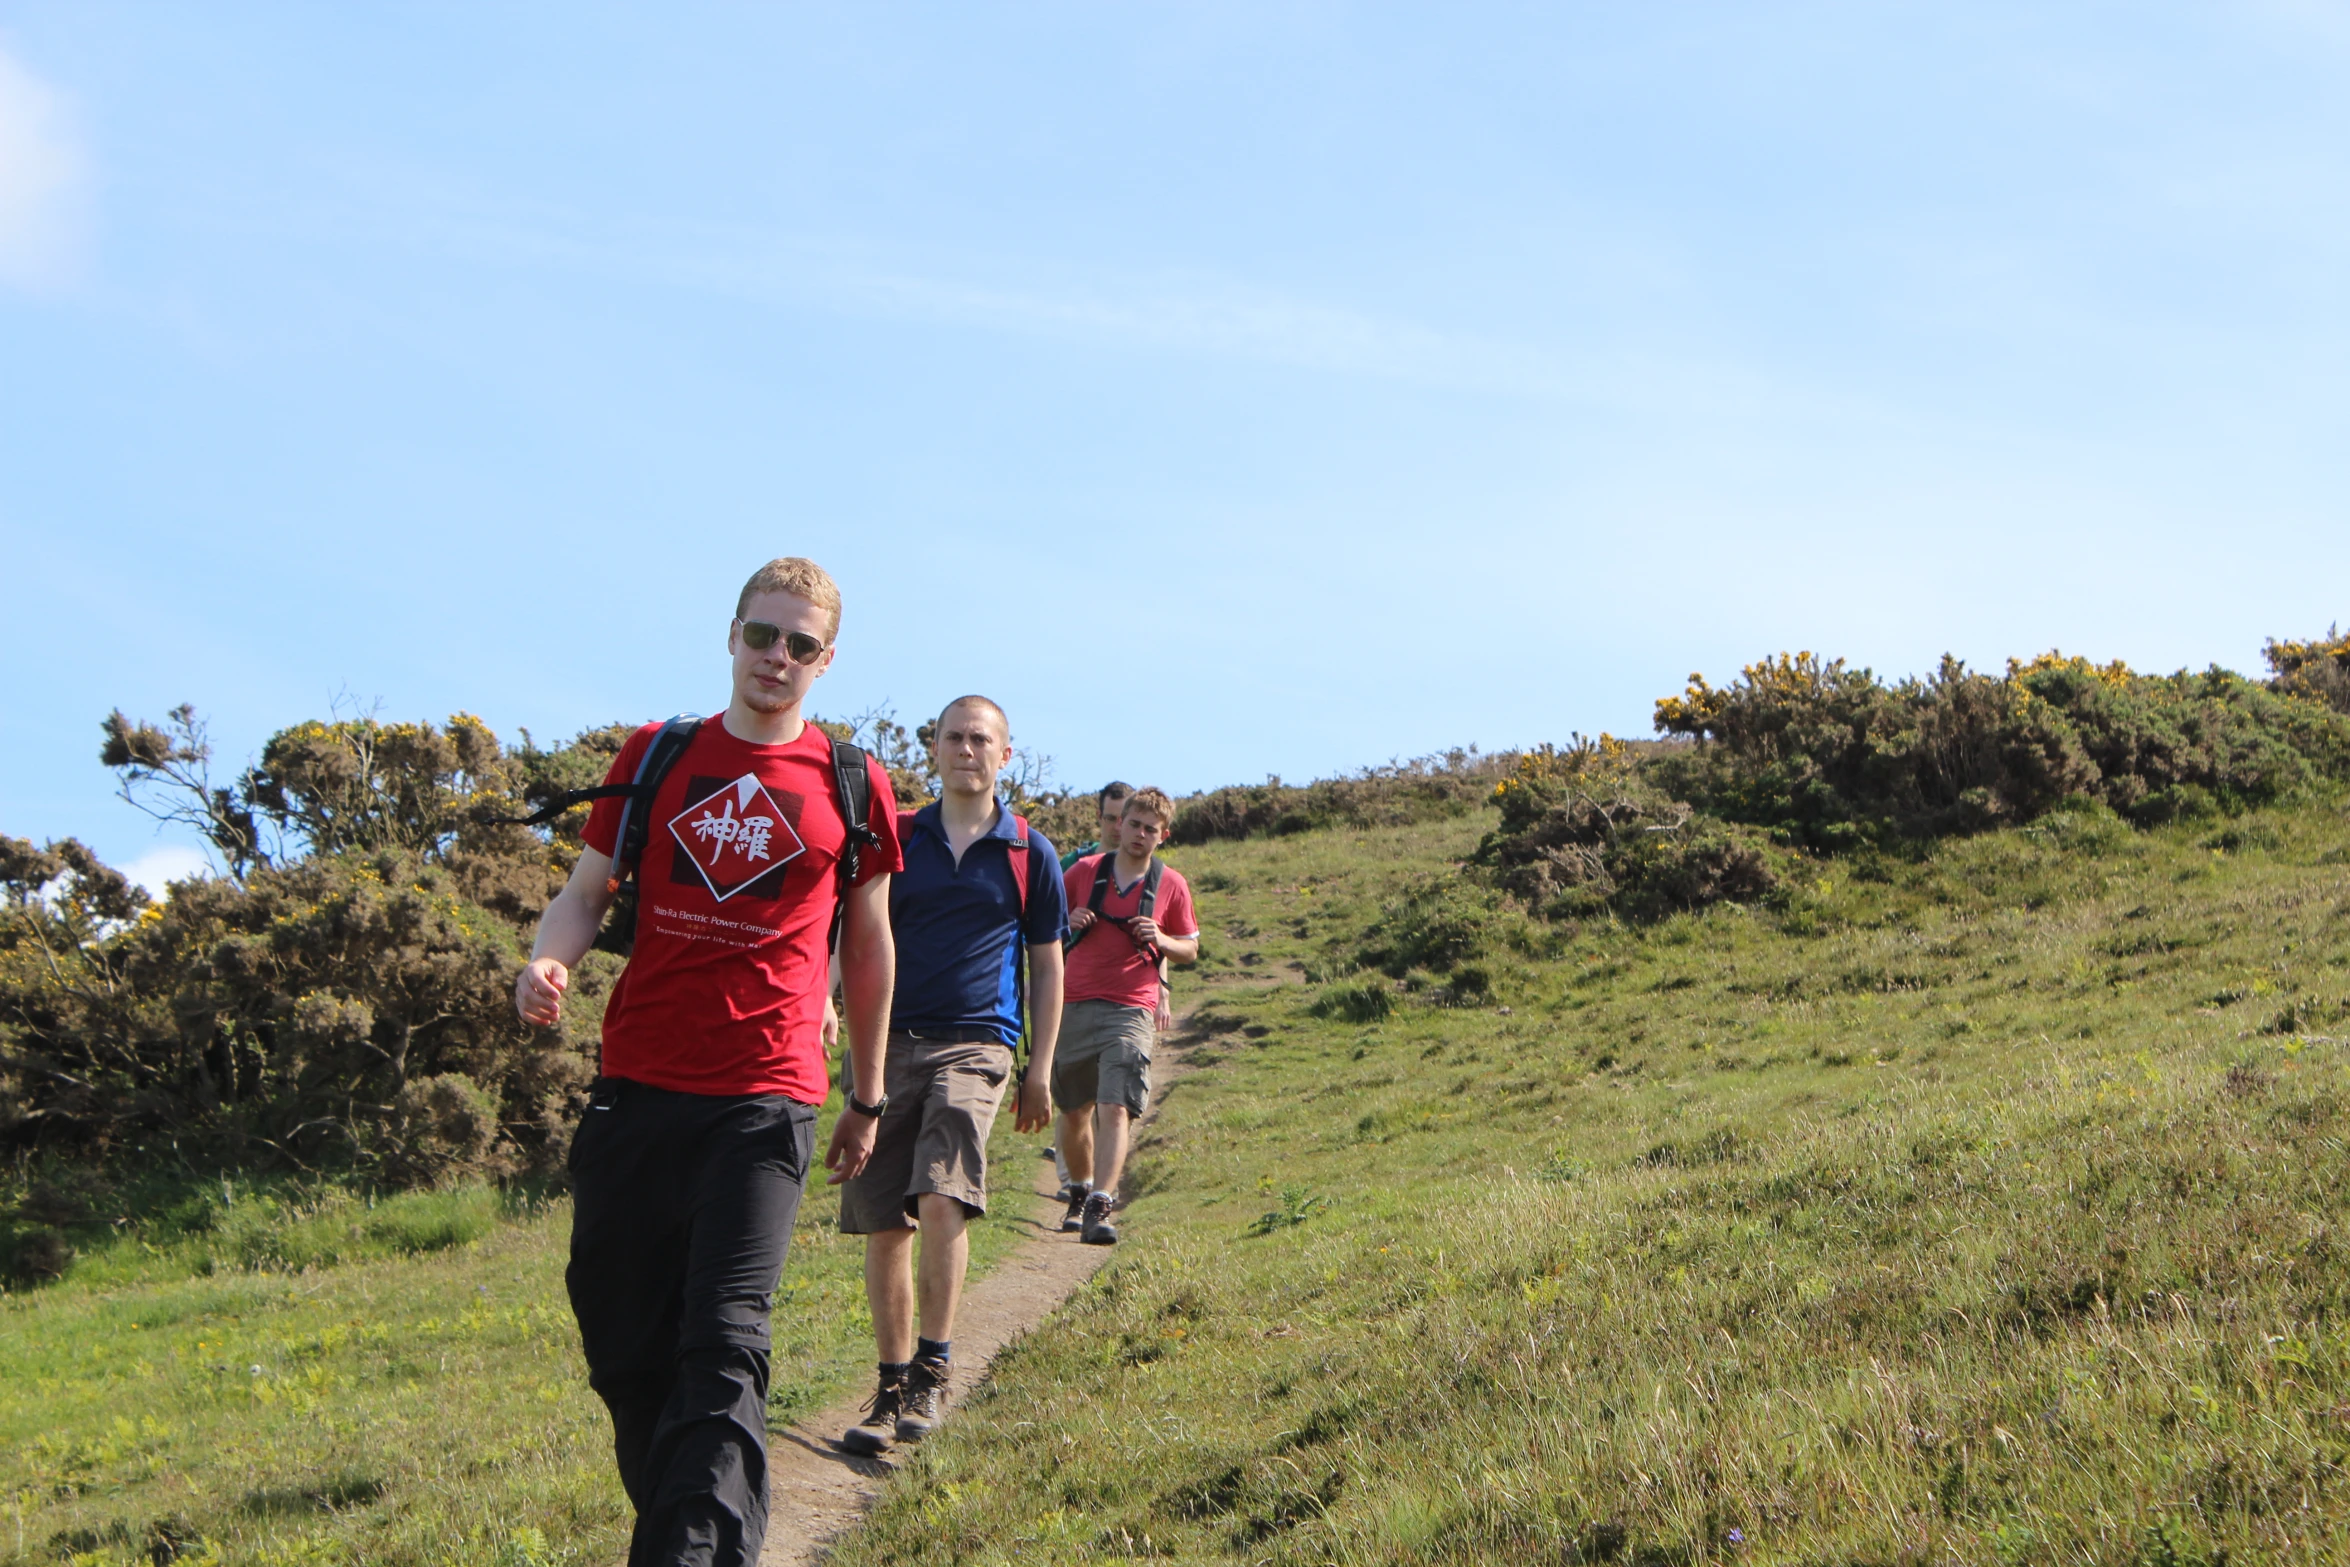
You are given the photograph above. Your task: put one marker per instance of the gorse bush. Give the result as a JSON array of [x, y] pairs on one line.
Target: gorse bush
[[1830, 757], [340, 997], [347, 1009], [1582, 832], [2318, 669], [1425, 789]]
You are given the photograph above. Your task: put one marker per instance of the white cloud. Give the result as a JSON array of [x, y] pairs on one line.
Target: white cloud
[[43, 175], [158, 868]]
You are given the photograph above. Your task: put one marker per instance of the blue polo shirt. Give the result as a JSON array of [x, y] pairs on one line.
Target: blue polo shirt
[[958, 928]]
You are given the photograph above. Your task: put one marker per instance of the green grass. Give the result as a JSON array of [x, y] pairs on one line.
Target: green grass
[[1981, 1209], [266, 1373]]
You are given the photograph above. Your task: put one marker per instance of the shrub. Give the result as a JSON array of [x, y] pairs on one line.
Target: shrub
[[1427, 788], [1830, 757], [281, 1017], [1438, 924], [442, 1130], [2317, 670], [1365, 1003], [1582, 833]]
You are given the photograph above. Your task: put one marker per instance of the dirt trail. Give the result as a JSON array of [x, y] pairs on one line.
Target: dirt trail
[[817, 1493]]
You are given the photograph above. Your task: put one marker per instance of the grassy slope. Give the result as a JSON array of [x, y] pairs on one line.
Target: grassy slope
[[1987, 1211], [370, 1407]]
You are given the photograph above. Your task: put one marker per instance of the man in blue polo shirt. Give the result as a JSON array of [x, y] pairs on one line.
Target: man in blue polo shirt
[[979, 892]]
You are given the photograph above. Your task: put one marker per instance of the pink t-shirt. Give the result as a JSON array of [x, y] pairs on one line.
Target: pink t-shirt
[[1106, 965]]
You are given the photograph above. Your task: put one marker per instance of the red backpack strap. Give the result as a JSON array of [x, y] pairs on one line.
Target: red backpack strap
[[1020, 854], [905, 826]]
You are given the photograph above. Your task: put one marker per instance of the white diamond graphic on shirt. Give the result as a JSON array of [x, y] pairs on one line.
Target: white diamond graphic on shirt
[[735, 836]]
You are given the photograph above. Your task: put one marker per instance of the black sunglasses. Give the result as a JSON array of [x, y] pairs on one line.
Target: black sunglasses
[[798, 646]]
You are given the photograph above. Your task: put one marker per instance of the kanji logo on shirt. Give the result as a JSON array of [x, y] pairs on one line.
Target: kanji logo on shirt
[[735, 836]]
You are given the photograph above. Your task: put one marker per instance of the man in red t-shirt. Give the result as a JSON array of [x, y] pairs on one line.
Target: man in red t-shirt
[[689, 1162], [1109, 1018]]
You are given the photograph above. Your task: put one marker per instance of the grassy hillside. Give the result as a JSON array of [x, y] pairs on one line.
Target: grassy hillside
[[1979, 1207], [278, 1379]]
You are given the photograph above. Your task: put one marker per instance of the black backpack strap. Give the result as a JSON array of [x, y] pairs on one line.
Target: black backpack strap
[[1150, 889], [669, 743], [852, 783], [546, 814]]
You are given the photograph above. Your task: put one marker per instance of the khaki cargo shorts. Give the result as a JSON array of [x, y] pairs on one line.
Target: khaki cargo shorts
[[1104, 1056], [943, 1099]]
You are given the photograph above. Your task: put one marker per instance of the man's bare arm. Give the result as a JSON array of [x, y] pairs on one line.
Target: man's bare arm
[[868, 973], [566, 930], [1180, 950], [1044, 1034]]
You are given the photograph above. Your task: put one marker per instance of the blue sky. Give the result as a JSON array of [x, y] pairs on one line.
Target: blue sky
[[1227, 390]]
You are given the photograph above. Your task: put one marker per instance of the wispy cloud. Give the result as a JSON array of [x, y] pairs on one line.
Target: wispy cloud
[[43, 180]]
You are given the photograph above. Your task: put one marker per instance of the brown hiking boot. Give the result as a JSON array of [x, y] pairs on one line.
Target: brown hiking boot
[[877, 1430], [1095, 1228], [922, 1404]]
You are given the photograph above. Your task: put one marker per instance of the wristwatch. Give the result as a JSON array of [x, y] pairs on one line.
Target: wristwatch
[[872, 1111]]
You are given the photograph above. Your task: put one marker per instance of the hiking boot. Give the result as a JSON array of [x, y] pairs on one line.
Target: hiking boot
[[877, 1431], [1074, 1194], [1094, 1226], [923, 1403]]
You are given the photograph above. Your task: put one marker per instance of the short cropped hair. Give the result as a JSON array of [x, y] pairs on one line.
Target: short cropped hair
[[801, 578], [1154, 801], [975, 700], [1115, 789]]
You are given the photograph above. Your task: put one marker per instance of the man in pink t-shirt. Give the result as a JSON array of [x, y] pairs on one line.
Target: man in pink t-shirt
[[1127, 910]]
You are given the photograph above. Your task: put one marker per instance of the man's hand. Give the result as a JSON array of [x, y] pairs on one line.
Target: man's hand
[[831, 1026], [851, 1146], [538, 992], [1036, 1101], [1080, 920], [1144, 930]]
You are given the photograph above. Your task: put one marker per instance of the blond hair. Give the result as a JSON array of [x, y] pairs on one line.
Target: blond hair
[[1153, 800], [802, 579]]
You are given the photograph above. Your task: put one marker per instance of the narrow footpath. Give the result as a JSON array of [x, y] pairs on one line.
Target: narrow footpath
[[817, 1493]]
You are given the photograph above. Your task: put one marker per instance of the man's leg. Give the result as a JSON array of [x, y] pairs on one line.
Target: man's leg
[[1108, 1135], [950, 1184], [706, 1465], [1077, 1141], [1122, 1092], [946, 1254], [873, 1204], [628, 1251], [889, 1291]]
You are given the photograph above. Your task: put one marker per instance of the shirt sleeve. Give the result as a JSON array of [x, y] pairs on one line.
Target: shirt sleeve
[[1179, 920], [1076, 882], [887, 857], [1048, 897], [602, 832]]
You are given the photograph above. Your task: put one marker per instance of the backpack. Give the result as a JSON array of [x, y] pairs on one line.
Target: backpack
[[1104, 876], [852, 786]]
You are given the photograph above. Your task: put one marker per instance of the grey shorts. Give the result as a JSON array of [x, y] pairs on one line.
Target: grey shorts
[[933, 1137], [1104, 1056]]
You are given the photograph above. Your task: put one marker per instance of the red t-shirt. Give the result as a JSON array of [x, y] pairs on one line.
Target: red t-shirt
[[1105, 965], [724, 993]]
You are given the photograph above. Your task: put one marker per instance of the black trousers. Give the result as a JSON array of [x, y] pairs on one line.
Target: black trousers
[[682, 1208]]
